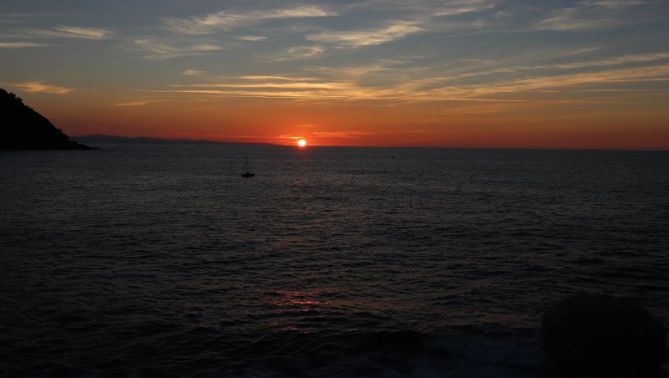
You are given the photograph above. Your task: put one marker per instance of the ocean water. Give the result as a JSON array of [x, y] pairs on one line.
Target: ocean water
[[160, 260]]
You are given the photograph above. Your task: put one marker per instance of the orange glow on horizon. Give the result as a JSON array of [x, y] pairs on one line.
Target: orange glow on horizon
[[302, 143], [410, 125]]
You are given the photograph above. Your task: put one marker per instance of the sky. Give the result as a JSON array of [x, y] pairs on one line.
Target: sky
[[450, 73]]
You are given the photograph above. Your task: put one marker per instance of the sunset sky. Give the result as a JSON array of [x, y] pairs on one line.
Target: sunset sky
[[479, 73]]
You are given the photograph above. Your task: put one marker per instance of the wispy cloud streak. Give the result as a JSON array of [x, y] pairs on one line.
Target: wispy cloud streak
[[37, 87], [159, 49], [225, 20], [358, 38], [587, 15], [556, 81], [600, 63], [75, 32], [20, 45], [136, 103], [295, 53], [421, 90], [192, 72], [270, 85]]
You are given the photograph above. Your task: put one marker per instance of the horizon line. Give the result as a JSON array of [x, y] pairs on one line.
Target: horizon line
[[311, 145]]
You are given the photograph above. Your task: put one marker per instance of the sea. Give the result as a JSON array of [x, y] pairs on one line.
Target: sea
[[160, 260]]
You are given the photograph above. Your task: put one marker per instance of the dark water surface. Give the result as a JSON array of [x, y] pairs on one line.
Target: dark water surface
[[160, 260]]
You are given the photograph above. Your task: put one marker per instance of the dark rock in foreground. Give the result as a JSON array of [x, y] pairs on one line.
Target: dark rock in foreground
[[601, 336], [22, 128]]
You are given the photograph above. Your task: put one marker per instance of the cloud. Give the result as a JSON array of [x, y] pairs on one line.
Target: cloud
[[431, 7], [574, 52], [20, 45], [587, 15], [311, 95], [620, 60], [605, 62], [551, 82], [251, 38], [73, 32], [37, 87], [277, 77], [192, 72], [159, 49], [295, 53], [457, 8], [268, 86], [616, 4], [225, 20], [360, 71], [271, 85], [423, 89], [392, 31], [570, 19], [136, 103], [419, 16], [610, 76]]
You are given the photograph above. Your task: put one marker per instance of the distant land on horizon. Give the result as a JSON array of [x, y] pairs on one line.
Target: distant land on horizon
[[103, 138]]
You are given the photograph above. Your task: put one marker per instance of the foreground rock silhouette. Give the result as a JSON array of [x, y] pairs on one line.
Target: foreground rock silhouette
[[588, 336], [22, 128]]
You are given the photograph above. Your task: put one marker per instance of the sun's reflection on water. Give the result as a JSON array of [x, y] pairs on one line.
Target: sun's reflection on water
[[300, 300]]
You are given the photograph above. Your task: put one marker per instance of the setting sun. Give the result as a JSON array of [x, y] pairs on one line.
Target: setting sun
[[302, 142]]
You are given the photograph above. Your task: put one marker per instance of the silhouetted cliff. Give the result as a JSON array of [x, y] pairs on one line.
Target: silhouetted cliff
[[22, 128]]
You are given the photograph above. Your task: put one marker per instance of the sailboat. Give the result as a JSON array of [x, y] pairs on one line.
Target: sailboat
[[247, 173]]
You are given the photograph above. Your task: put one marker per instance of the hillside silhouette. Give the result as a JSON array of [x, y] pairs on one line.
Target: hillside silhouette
[[22, 128]]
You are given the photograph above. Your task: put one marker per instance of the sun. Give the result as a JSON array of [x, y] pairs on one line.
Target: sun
[[302, 143]]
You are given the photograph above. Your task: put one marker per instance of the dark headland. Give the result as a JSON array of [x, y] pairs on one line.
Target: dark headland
[[22, 128]]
